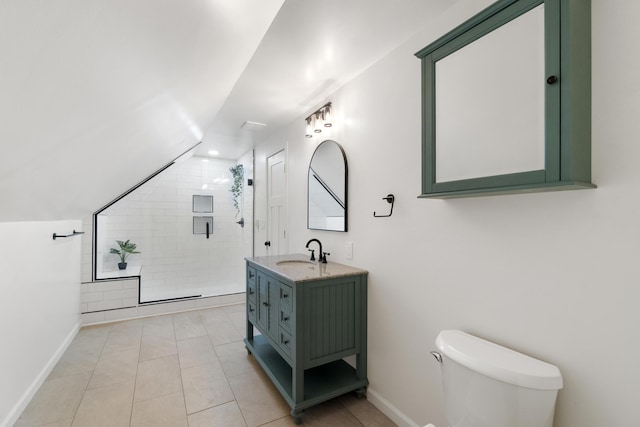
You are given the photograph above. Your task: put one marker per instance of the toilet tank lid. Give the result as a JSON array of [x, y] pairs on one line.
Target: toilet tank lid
[[498, 362]]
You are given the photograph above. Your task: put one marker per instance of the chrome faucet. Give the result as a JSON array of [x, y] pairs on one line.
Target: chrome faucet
[[323, 255]]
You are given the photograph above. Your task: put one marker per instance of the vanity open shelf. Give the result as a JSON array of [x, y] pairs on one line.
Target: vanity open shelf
[[310, 316], [320, 383]]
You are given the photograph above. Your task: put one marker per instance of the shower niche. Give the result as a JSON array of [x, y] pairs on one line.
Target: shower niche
[[202, 204]]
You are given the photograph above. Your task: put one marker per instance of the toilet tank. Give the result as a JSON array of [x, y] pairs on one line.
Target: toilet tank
[[487, 385]]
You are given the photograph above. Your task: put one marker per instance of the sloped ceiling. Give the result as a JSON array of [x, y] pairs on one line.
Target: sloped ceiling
[[312, 49], [97, 95]]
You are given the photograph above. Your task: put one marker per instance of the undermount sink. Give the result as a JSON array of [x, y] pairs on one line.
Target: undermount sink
[[292, 262]]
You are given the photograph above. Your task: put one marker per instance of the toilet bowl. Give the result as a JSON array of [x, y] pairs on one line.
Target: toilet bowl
[[487, 385]]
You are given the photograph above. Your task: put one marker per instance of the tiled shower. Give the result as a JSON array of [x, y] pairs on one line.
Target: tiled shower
[[176, 258]]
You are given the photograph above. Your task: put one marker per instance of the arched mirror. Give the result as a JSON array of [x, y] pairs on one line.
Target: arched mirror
[[327, 188]]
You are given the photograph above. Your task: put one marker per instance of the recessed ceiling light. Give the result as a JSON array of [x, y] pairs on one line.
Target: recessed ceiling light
[[213, 152]]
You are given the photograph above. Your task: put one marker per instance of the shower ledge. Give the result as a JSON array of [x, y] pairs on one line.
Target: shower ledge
[[133, 271]]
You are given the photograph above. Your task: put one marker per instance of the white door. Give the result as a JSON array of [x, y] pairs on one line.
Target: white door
[[277, 239]]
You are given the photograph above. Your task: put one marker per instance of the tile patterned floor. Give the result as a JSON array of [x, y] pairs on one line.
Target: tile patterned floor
[[187, 369]]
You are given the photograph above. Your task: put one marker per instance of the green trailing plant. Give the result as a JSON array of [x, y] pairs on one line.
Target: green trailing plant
[[236, 188], [126, 248]]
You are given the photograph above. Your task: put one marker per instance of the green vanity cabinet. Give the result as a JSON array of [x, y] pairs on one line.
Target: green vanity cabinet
[[309, 317]]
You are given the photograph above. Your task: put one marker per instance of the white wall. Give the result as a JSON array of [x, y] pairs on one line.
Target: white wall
[[554, 275], [39, 308]]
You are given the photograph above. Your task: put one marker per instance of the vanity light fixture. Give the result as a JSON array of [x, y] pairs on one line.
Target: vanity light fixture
[[319, 119]]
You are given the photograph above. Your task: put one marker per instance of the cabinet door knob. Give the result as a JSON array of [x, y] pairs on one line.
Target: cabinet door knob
[[552, 79]]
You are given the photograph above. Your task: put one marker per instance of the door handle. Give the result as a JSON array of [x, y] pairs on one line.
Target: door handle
[[267, 243]]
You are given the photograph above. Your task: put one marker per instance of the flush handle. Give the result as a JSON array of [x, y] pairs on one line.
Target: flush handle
[[437, 355]]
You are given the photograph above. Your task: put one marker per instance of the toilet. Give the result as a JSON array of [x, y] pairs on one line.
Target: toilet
[[487, 385]]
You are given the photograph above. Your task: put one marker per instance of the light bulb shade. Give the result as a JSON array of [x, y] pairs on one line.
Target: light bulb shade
[[327, 117], [317, 123]]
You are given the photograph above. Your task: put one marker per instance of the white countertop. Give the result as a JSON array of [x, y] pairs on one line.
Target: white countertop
[[300, 269]]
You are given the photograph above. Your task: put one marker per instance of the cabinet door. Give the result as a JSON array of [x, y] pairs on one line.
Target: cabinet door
[[251, 284], [507, 101], [262, 317]]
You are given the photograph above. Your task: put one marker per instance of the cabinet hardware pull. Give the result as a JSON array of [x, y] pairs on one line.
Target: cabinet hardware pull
[[251, 309], [251, 291], [266, 304], [552, 79], [285, 318]]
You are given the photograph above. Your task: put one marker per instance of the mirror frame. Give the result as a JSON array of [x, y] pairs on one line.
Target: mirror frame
[[567, 100], [346, 186]]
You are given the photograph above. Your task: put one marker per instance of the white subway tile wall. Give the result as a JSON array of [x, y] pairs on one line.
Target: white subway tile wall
[[123, 313], [108, 295], [158, 217]]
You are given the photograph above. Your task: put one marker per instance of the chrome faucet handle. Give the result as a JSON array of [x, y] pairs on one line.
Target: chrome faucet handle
[[313, 255]]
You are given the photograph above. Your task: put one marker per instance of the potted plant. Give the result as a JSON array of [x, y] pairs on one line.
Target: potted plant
[[126, 248], [236, 189]]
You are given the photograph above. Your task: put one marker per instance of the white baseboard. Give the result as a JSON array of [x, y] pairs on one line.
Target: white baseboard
[[22, 403], [389, 410]]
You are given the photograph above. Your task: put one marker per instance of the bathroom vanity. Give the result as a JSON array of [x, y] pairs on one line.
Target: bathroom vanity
[[309, 317]]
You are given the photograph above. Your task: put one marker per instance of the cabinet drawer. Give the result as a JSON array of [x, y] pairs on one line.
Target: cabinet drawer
[[251, 312], [285, 320], [251, 291], [251, 275], [286, 297], [284, 341]]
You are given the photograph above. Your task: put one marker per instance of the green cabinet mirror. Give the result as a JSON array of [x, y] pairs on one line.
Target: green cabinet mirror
[[506, 101]]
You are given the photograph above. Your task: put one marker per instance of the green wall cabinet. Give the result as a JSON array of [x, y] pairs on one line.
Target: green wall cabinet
[[493, 124], [307, 326]]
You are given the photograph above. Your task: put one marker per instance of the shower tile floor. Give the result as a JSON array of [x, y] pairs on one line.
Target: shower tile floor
[[186, 369]]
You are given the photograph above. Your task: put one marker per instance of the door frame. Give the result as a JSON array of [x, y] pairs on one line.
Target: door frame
[[285, 153]]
